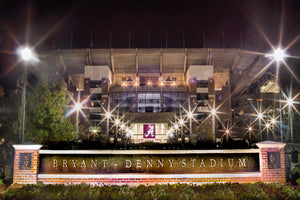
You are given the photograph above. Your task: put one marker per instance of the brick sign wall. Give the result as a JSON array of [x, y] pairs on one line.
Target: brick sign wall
[[136, 167]]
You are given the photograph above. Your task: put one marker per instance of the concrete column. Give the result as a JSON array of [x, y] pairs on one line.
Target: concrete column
[[193, 99], [105, 103]]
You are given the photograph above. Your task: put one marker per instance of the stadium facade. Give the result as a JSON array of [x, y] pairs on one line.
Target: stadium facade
[[160, 95]]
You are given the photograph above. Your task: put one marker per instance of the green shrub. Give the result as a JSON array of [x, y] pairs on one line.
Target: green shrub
[[163, 192], [295, 174]]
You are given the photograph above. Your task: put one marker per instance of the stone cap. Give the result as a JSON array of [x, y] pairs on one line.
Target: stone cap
[[27, 146], [270, 144]]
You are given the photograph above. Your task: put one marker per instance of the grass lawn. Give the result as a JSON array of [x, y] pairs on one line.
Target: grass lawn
[[172, 192]]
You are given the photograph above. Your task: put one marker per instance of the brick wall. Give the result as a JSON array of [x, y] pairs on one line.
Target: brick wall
[[272, 174], [138, 179], [26, 176]]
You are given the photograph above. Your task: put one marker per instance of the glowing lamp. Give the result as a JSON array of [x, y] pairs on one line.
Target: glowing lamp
[[26, 54], [117, 122], [108, 115], [290, 102], [122, 126], [273, 121], [278, 55], [213, 111], [181, 122], [78, 106], [176, 126]]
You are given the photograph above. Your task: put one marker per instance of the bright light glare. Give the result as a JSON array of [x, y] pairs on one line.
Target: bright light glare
[[26, 54], [227, 131], [108, 115], [78, 106], [213, 111], [260, 115], [278, 55], [250, 128], [267, 125], [190, 115], [170, 134], [117, 122], [176, 126], [122, 126], [290, 102], [273, 121], [181, 122]]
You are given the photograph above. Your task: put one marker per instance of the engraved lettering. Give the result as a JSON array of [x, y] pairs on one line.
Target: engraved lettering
[[138, 163], [161, 163], [242, 162], [213, 162], [128, 163], [104, 163], [65, 163], [83, 164], [230, 164], [221, 162], [183, 162], [55, 163], [193, 162], [74, 162], [149, 163], [94, 163], [171, 162], [202, 164]]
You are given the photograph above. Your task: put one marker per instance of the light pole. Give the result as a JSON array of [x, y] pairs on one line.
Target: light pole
[[190, 116], [108, 116], [290, 104], [181, 123], [260, 116], [78, 106], [26, 55], [213, 113], [250, 131]]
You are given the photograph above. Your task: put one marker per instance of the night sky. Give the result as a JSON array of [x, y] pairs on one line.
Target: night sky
[[173, 24]]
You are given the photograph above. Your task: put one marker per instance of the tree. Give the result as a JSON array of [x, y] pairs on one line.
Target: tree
[[9, 133], [45, 114]]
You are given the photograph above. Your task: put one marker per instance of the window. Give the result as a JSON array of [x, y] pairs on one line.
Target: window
[[95, 116], [202, 96], [95, 84], [96, 96]]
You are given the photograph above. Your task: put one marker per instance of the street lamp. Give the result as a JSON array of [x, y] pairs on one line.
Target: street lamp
[[260, 117], [26, 55], [278, 55]]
